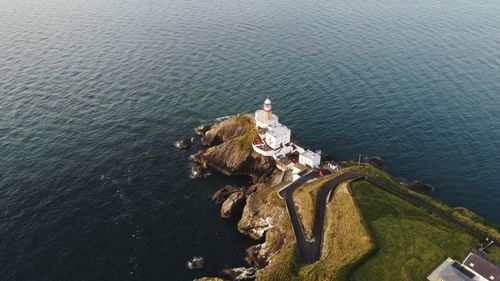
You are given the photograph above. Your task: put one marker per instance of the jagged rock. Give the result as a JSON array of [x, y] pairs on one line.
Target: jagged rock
[[229, 159], [222, 194], [195, 263], [265, 217], [233, 204], [230, 151], [257, 256], [223, 132], [252, 189], [198, 171], [185, 143], [258, 216], [202, 129], [239, 273]]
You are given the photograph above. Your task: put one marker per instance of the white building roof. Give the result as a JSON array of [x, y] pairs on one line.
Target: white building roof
[[451, 270], [278, 129], [310, 155]]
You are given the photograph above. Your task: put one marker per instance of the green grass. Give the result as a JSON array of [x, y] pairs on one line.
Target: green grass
[[464, 215], [494, 253], [245, 142], [410, 241]]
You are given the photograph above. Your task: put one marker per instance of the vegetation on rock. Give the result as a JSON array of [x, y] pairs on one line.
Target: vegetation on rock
[[231, 150]]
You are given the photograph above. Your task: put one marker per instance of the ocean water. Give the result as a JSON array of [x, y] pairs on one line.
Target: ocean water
[[94, 93]]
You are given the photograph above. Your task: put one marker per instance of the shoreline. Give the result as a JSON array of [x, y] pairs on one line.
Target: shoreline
[[259, 258]]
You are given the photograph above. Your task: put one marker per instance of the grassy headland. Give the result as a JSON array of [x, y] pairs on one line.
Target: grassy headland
[[371, 234], [410, 241]]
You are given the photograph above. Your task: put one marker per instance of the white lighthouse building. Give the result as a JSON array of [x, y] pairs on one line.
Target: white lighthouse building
[[264, 117], [277, 136], [274, 135]]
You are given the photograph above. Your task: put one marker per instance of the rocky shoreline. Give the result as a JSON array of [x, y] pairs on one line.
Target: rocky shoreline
[[262, 215], [226, 151]]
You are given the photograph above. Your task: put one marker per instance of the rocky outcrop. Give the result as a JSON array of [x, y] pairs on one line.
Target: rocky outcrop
[[264, 218], [233, 204], [185, 143], [225, 131], [222, 194], [229, 159], [202, 129], [239, 273], [230, 151], [264, 215]]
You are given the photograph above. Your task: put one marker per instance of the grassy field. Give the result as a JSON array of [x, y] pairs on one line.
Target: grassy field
[[410, 241], [462, 214]]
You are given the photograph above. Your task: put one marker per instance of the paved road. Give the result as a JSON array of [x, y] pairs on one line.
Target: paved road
[[311, 249]]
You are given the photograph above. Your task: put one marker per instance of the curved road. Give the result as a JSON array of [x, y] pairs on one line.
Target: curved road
[[311, 249]]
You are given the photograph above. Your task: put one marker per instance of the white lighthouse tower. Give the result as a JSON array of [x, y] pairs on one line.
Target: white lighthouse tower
[[264, 118], [268, 110]]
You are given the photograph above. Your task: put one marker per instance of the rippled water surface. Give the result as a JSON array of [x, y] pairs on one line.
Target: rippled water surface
[[94, 93]]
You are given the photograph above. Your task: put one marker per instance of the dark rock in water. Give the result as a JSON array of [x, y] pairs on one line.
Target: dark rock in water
[[239, 273], [185, 143], [421, 187], [195, 263], [375, 161], [233, 205], [222, 194], [198, 171], [201, 130]]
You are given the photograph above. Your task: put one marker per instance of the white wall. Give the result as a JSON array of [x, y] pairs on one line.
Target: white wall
[[310, 160], [275, 140]]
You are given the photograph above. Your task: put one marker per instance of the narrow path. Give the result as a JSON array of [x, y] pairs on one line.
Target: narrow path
[[311, 249]]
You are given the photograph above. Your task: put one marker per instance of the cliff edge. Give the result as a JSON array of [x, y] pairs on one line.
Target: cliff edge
[[229, 149]]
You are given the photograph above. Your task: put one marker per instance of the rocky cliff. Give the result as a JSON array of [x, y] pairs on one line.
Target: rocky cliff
[[230, 149], [264, 217]]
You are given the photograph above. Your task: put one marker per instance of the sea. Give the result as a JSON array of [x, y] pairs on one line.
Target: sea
[[94, 94]]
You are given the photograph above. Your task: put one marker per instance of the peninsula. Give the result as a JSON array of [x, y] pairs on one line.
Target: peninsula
[[319, 219]]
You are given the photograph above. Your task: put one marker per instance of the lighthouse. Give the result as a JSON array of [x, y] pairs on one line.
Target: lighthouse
[[264, 118], [268, 110]]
